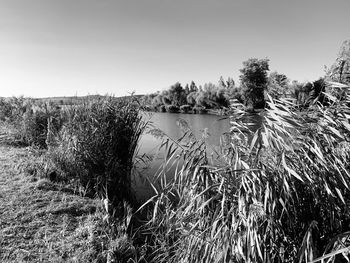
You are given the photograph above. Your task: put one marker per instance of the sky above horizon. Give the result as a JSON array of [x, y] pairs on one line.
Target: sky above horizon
[[80, 47]]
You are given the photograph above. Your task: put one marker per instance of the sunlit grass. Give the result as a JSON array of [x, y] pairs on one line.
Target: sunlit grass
[[282, 195]]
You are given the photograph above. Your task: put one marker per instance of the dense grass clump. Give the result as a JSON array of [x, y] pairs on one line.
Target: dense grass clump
[[12, 109], [39, 123], [97, 145], [280, 194], [30, 120]]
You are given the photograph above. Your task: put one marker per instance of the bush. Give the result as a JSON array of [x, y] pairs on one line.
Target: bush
[[172, 108], [199, 109], [12, 109], [185, 108], [101, 137], [36, 123], [162, 108]]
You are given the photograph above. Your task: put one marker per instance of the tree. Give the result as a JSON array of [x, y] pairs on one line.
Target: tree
[[157, 100], [222, 83], [221, 99], [277, 85], [230, 83], [202, 99], [193, 87], [177, 94], [340, 70], [187, 90], [254, 81], [191, 98]]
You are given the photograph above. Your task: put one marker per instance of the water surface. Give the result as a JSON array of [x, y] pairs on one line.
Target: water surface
[[213, 125]]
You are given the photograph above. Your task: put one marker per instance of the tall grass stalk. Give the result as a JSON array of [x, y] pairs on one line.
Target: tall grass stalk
[[97, 145]]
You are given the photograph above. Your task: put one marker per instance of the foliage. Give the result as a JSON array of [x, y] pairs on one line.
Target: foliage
[[277, 85], [162, 108], [280, 194], [340, 70], [211, 96], [191, 98], [199, 109], [101, 138], [177, 95], [254, 81], [44, 221], [185, 108], [172, 108], [37, 121], [12, 109], [30, 118]]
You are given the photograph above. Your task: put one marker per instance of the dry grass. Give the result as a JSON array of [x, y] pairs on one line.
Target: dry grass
[[280, 194], [41, 221]]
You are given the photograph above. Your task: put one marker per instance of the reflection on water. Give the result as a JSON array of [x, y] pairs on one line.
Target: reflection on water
[[212, 125]]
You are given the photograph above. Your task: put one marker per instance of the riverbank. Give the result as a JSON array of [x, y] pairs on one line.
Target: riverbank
[[40, 221], [271, 188], [46, 221]]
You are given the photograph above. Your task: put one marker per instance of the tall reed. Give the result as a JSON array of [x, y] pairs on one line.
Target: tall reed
[[97, 145], [280, 194]]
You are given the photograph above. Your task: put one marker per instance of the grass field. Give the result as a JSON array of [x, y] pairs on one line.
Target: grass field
[[39, 221]]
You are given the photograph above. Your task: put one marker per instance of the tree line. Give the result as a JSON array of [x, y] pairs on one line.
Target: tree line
[[256, 81]]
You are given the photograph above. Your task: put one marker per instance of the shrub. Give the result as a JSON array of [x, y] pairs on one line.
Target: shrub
[[36, 121], [101, 137], [172, 108], [185, 108], [12, 109], [162, 108], [199, 109]]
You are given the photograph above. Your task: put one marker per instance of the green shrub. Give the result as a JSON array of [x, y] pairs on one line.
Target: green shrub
[[97, 145]]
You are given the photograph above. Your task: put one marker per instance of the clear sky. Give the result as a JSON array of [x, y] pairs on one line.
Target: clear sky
[[80, 47]]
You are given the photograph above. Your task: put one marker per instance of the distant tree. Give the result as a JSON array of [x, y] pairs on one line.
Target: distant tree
[[202, 99], [230, 83], [157, 100], [177, 94], [316, 92], [209, 87], [277, 85], [222, 83], [254, 81], [236, 93], [340, 70], [191, 98], [187, 90], [302, 92], [193, 87], [221, 98], [295, 90], [166, 100]]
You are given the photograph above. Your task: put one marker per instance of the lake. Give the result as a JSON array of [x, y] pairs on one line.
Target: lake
[[213, 125]]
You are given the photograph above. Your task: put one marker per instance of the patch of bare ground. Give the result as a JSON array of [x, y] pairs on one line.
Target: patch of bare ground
[[42, 221]]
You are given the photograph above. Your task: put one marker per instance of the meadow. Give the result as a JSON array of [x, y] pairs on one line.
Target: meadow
[[280, 194]]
